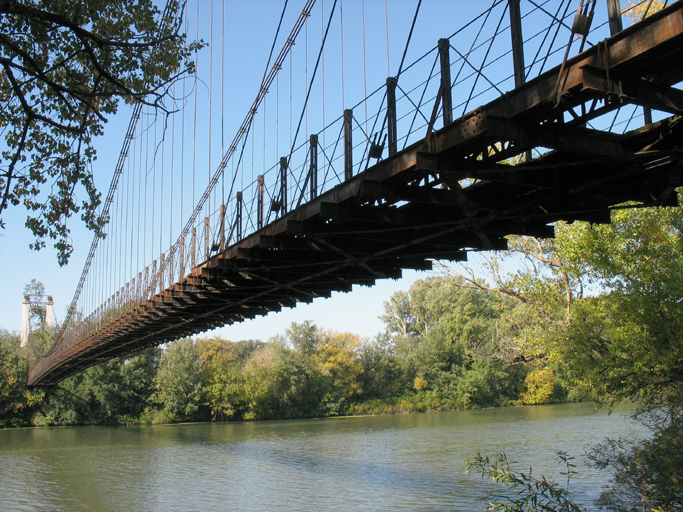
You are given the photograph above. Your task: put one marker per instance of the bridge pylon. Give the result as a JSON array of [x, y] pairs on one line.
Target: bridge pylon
[[28, 305]]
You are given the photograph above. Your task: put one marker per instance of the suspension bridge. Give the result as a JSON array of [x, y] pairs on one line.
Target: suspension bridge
[[528, 113]]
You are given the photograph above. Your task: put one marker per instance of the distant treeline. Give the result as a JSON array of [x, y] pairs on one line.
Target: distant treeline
[[439, 351]]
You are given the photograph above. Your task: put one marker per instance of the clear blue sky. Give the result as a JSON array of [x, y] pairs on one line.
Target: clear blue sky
[[250, 29]]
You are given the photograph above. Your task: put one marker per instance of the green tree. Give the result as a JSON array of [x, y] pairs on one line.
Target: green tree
[[445, 335], [380, 377], [180, 392], [221, 375], [17, 402], [264, 380], [65, 67], [114, 392], [647, 472], [337, 363], [622, 340], [526, 492]]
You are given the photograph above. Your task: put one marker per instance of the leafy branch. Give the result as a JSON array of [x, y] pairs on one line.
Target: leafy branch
[[526, 492]]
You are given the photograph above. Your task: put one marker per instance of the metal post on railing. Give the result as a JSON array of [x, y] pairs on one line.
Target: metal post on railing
[[517, 42], [283, 184], [259, 201], [162, 272], [222, 235], [146, 287], [153, 284], [238, 220], [181, 263], [348, 144], [518, 50], [446, 101], [207, 236], [313, 170], [193, 248], [171, 261], [614, 13], [391, 115]]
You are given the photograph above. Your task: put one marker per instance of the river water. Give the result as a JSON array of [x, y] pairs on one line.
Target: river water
[[410, 462]]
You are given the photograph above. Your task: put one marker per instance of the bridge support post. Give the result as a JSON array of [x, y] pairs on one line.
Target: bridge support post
[[348, 144], [647, 115], [238, 220], [145, 290], [181, 258], [222, 214], [446, 100], [614, 13], [162, 273], [313, 170], [155, 276], [283, 184], [259, 201], [25, 311], [391, 115], [170, 264], [49, 311], [193, 248], [517, 42], [207, 235], [126, 298]]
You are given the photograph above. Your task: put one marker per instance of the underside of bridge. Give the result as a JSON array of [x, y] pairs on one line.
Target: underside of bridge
[[462, 188]]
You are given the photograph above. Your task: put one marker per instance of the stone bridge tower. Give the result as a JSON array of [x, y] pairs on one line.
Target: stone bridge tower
[[47, 307]]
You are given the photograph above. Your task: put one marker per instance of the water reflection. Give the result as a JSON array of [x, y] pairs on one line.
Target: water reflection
[[410, 462]]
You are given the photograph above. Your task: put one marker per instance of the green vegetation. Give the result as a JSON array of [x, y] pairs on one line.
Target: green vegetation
[[600, 307]]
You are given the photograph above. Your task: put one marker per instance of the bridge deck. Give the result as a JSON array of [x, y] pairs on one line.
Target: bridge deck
[[450, 193]]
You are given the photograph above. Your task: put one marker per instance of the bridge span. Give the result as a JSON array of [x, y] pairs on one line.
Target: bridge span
[[460, 188]]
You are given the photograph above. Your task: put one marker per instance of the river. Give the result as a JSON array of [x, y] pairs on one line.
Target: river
[[410, 462]]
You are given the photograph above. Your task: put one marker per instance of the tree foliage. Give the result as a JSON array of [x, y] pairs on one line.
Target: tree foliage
[[65, 67], [179, 389], [647, 472], [600, 306], [17, 402], [623, 338], [442, 342]]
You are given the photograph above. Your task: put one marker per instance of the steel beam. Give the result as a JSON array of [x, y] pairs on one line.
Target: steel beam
[[391, 115], [348, 144], [446, 99], [517, 42], [313, 169], [614, 13]]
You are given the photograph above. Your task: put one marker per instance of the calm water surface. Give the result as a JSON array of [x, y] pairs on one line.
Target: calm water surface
[[407, 462]]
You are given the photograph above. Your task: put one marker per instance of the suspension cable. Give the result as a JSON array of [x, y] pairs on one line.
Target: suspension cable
[[247, 123]]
